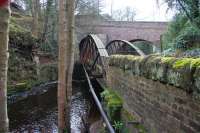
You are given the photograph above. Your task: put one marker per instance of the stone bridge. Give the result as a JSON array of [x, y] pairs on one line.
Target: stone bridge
[[112, 30]]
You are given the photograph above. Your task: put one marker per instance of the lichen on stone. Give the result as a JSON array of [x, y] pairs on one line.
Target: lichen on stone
[[195, 63], [179, 72], [181, 63], [167, 60]]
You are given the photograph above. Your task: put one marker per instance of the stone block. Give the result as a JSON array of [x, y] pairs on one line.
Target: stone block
[[196, 88], [179, 74]]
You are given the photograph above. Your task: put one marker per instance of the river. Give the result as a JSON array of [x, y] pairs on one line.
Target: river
[[38, 113]]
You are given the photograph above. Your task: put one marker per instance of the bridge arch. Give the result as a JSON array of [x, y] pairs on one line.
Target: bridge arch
[[93, 54], [146, 46], [123, 47]]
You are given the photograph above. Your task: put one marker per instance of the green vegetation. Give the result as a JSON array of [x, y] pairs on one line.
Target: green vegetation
[[22, 70], [179, 72], [187, 62], [20, 38], [167, 60], [173, 30], [118, 126], [112, 103], [195, 63], [181, 35], [22, 86], [184, 31], [146, 47], [111, 98], [181, 63]]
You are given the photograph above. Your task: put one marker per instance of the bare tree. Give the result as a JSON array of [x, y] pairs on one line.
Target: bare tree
[[4, 30], [46, 19], [125, 14], [70, 55], [89, 7], [62, 40], [66, 63], [35, 14]]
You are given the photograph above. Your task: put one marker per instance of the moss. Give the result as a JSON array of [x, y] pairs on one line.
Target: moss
[[112, 104], [132, 57], [22, 85], [20, 34], [179, 72], [128, 57], [167, 60], [15, 27], [18, 87], [181, 63], [111, 98], [196, 89], [117, 60], [24, 21], [141, 128], [128, 115], [195, 63]]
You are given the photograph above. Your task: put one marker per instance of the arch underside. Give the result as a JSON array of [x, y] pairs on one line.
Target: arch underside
[[93, 54], [123, 47], [146, 46]]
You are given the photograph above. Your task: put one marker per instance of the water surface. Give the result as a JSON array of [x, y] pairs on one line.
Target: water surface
[[38, 113]]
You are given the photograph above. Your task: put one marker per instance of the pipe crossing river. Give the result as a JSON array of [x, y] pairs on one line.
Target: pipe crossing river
[[108, 124]]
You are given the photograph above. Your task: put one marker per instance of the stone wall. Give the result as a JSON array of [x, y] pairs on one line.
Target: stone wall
[[156, 91]]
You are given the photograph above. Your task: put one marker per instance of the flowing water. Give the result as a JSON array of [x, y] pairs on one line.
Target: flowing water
[[38, 113]]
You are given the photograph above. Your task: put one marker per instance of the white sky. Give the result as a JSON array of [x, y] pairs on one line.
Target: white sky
[[146, 10]]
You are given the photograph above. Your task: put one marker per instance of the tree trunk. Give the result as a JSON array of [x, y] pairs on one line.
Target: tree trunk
[[62, 40], [46, 21], [4, 21], [70, 56], [35, 15]]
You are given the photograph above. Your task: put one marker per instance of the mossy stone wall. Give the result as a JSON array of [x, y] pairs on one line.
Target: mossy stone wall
[[161, 91], [179, 72]]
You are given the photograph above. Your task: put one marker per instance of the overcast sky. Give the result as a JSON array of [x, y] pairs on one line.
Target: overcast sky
[[146, 10]]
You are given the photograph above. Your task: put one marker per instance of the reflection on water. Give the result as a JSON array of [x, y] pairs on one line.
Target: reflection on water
[[38, 114], [79, 108]]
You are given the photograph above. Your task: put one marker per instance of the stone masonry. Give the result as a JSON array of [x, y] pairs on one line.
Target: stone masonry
[[160, 106], [113, 30]]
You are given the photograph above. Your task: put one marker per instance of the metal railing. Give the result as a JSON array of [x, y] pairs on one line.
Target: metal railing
[[105, 118]]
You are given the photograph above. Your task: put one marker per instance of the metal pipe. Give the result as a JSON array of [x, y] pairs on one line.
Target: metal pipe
[[109, 126]]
